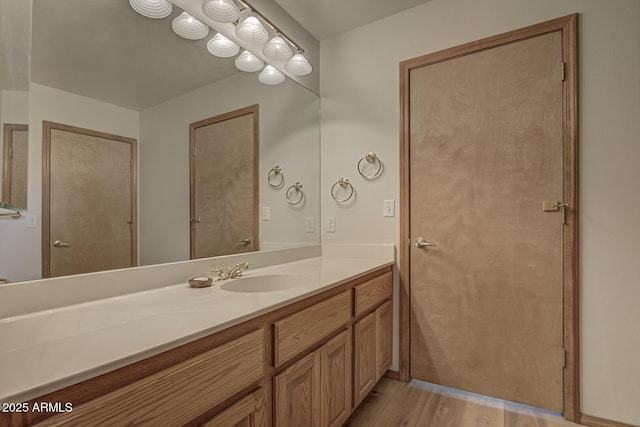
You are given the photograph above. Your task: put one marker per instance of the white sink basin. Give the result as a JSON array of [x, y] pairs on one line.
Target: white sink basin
[[265, 283]]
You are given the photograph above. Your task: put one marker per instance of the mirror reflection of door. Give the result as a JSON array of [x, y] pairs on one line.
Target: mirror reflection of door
[[14, 164], [89, 201], [224, 183]]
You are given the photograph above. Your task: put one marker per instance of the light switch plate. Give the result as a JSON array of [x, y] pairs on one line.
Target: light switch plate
[[266, 213], [331, 224], [389, 208], [309, 226]]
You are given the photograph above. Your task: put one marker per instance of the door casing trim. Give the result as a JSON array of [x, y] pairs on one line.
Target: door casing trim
[[568, 26]]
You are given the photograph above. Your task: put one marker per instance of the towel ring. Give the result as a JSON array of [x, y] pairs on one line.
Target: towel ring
[[297, 187], [271, 176], [344, 183], [370, 158]]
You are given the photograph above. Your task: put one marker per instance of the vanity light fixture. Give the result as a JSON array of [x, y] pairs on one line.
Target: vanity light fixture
[[277, 49], [221, 10], [189, 27], [298, 65], [222, 47], [248, 62], [155, 9], [251, 30], [270, 76]]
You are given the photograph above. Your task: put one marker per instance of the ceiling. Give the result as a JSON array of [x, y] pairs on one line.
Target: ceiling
[[103, 49], [327, 18]]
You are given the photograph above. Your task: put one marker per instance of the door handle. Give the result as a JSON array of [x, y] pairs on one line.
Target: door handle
[[554, 207], [246, 241], [421, 243], [60, 244]]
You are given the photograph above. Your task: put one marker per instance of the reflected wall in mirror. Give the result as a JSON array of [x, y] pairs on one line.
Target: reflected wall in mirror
[[15, 46], [99, 65]]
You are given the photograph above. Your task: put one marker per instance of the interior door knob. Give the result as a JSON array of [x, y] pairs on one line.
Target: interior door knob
[[421, 243], [60, 244]]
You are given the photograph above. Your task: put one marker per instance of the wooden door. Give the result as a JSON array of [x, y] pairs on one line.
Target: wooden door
[[364, 349], [224, 184], [250, 411], [486, 151], [15, 165], [89, 201], [384, 338], [298, 394], [335, 362]]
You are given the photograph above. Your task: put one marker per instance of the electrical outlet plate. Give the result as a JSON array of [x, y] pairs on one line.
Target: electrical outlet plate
[[331, 224], [266, 213]]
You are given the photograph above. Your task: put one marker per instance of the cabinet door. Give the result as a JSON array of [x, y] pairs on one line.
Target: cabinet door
[[335, 365], [365, 367], [297, 394], [384, 325], [250, 411]]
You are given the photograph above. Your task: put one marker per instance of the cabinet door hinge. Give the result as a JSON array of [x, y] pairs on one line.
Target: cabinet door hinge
[[564, 358], [564, 71]]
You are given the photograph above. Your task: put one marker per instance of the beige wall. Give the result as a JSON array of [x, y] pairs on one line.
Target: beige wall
[[360, 113], [22, 258]]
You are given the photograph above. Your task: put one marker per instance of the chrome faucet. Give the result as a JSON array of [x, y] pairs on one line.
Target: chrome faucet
[[238, 270], [224, 273]]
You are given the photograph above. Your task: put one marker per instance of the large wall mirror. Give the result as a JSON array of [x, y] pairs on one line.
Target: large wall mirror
[[98, 65]]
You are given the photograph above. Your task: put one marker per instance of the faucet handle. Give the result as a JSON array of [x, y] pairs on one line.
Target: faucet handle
[[219, 272]]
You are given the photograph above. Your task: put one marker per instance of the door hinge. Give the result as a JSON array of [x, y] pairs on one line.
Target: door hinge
[[10, 151], [564, 358], [564, 71], [409, 241], [131, 162], [193, 152]]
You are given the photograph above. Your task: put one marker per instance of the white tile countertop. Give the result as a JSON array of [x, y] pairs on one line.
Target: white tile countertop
[[47, 350]]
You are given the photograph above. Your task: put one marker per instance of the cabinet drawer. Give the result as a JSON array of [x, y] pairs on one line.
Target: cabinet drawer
[[296, 333], [371, 293], [178, 394], [250, 411]]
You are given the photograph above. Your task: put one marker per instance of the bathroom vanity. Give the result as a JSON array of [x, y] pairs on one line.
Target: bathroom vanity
[[299, 355]]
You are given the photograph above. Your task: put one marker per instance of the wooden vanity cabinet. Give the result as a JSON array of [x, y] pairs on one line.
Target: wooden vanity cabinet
[[372, 345], [309, 363], [316, 390]]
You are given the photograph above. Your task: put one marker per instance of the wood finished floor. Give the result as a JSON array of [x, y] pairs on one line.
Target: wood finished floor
[[393, 403]]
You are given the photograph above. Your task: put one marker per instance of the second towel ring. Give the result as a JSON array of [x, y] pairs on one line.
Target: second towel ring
[[297, 187], [370, 158], [344, 183], [271, 177]]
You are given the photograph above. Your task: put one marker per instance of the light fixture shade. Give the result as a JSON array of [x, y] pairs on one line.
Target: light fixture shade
[[270, 76], [221, 46], [189, 27], [298, 65], [252, 31], [221, 10], [277, 49], [248, 62], [155, 9]]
